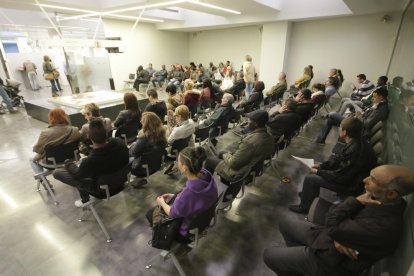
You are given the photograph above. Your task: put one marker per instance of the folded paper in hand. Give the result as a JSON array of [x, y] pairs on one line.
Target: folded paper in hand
[[308, 162]]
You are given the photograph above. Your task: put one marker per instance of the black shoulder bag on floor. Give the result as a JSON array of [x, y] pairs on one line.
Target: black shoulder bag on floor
[[164, 229]]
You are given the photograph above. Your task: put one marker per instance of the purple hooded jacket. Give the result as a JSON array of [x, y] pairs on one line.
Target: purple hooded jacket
[[198, 195]]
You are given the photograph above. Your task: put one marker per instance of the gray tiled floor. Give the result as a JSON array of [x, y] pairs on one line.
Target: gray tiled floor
[[38, 238]]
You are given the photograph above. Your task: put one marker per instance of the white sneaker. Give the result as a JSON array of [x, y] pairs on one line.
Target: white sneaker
[[79, 203]]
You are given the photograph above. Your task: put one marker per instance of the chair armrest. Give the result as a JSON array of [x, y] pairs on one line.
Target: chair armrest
[[114, 132], [106, 188]]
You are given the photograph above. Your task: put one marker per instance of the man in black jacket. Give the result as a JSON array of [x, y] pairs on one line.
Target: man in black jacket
[[378, 112], [357, 233], [107, 156], [343, 172], [238, 86], [285, 121], [220, 117]]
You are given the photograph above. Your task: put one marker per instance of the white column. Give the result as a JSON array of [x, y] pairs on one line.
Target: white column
[[274, 52]]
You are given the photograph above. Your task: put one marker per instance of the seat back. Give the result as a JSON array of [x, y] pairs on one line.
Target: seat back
[[153, 158], [233, 189], [115, 180], [61, 152], [129, 130], [131, 76], [203, 220], [202, 133], [180, 144]]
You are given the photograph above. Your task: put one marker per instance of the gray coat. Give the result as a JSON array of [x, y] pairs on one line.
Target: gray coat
[[256, 146]]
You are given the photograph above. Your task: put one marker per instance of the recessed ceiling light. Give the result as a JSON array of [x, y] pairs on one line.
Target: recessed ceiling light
[[135, 18]]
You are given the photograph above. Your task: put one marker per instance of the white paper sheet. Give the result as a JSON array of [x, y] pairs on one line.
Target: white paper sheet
[[307, 162]]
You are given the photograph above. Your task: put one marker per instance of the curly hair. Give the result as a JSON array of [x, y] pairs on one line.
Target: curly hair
[[58, 116]]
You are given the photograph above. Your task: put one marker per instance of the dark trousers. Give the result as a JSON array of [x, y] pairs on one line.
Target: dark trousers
[[55, 85], [138, 82], [311, 187], [211, 164], [334, 119], [85, 187], [296, 259]]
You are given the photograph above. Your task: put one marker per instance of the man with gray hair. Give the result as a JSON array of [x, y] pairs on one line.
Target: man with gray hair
[[357, 232], [220, 117], [238, 86]]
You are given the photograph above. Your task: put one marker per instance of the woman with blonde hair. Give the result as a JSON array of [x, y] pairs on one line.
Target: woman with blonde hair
[[150, 138], [306, 77], [51, 74], [58, 132]]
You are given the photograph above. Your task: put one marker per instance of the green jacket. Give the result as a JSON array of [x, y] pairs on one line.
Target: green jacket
[[279, 88], [256, 146]]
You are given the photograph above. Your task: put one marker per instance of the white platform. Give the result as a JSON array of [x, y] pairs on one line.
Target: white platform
[[78, 101]]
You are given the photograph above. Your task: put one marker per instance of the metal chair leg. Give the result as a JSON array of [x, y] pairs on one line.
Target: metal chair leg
[[98, 219], [177, 264], [47, 185]]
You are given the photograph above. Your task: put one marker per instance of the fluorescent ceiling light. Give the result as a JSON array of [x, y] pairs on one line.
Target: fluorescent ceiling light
[[135, 18], [12, 25], [150, 6], [64, 8], [212, 6], [78, 16]]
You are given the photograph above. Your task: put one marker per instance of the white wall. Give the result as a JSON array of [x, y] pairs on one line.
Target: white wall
[[146, 44], [226, 44], [360, 44]]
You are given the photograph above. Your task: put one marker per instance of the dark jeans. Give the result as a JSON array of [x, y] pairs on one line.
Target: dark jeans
[[211, 164], [138, 82], [85, 187], [296, 259], [311, 187], [334, 119], [55, 85]]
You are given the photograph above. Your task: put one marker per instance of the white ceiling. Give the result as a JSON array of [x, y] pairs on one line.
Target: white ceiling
[[185, 15]]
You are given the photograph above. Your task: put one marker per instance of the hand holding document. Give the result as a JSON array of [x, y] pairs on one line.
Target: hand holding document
[[307, 162]]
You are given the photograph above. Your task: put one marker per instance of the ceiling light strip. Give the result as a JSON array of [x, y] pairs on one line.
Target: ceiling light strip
[[48, 18], [213, 6], [135, 18], [78, 16], [150, 6], [63, 8]]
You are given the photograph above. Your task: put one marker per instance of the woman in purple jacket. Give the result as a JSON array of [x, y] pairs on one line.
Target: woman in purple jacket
[[199, 193]]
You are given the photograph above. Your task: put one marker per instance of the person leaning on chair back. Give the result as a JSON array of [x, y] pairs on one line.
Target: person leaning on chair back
[[155, 105], [108, 156], [198, 195], [357, 232], [58, 132]]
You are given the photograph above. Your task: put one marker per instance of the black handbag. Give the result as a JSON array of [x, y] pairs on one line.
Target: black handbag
[[164, 229]]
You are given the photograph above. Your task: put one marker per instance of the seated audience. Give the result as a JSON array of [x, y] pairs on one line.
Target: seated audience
[[91, 111], [343, 172], [159, 76], [395, 89], [199, 193], [216, 74], [221, 117], [335, 79], [358, 232], [306, 77], [58, 132], [151, 71], [369, 117], [365, 88], [254, 100], [150, 138], [108, 156], [318, 94], [256, 146], [191, 97], [131, 115], [276, 92], [142, 77], [178, 76], [174, 99], [330, 88], [365, 102], [304, 105], [285, 121], [206, 97], [228, 80], [157, 106], [238, 87]]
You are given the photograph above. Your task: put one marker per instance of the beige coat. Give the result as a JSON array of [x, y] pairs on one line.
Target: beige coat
[[256, 146], [54, 135], [249, 72]]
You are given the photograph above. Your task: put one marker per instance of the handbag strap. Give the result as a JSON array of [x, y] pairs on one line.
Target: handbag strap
[[67, 136]]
